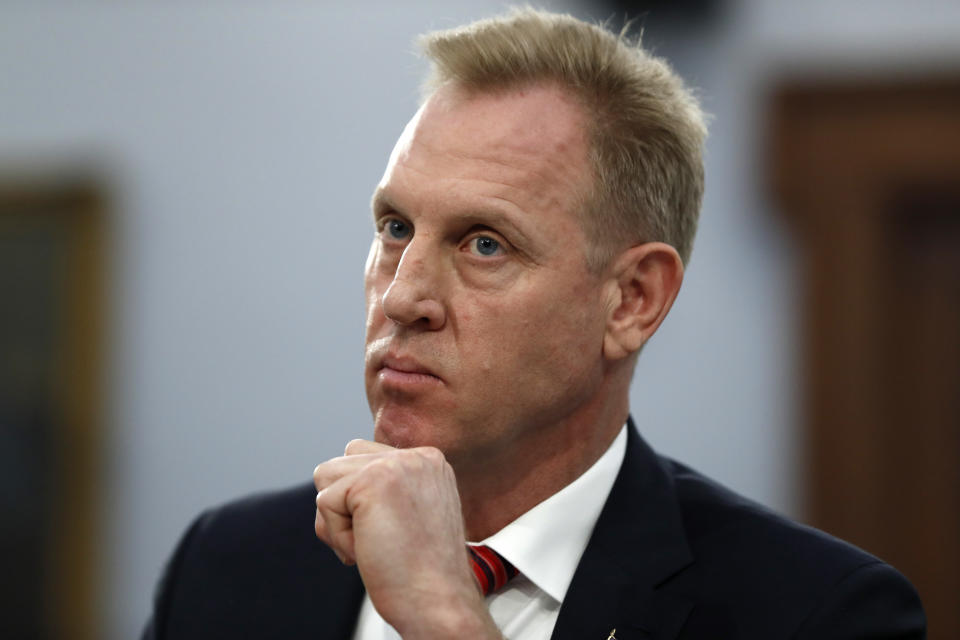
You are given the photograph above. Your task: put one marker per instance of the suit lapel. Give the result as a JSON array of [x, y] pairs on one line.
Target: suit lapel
[[637, 543]]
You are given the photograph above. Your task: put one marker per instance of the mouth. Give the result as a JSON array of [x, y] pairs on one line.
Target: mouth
[[404, 365], [405, 372]]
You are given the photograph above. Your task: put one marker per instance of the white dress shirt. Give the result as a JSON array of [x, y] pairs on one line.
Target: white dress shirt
[[545, 545]]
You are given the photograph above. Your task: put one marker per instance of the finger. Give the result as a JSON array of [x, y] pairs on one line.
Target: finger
[[339, 529], [319, 524], [326, 473], [358, 447], [320, 527], [334, 522]]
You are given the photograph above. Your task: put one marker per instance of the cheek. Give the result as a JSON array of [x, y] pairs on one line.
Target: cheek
[[375, 283], [373, 314], [482, 337], [540, 336], [563, 338]]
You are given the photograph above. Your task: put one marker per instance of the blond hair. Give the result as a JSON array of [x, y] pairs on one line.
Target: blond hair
[[647, 129]]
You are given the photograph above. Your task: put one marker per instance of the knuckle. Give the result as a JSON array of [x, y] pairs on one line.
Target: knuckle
[[352, 446], [387, 472], [409, 460], [432, 455], [381, 466]]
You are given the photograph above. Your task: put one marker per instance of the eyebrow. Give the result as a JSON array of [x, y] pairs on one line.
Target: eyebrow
[[380, 201], [498, 218]]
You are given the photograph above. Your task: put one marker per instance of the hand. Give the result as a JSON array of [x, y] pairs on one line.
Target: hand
[[396, 514]]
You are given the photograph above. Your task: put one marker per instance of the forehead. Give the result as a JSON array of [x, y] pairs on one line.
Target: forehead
[[528, 142], [540, 120]]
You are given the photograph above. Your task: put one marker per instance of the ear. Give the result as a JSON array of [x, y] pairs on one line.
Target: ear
[[643, 283]]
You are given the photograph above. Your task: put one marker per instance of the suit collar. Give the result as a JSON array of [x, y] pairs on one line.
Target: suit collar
[[545, 543], [637, 544]]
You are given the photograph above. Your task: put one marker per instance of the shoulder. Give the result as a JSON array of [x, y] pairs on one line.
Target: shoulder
[[273, 518], [719, 521], [253, 566], [761, 569], [256, 536]]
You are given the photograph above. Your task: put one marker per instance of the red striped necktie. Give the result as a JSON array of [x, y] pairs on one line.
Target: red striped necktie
[[490, 568]]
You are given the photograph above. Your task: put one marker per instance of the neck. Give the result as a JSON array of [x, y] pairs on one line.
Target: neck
[[497, 492]]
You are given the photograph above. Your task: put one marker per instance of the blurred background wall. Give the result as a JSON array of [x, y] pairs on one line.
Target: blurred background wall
[[232, 148]]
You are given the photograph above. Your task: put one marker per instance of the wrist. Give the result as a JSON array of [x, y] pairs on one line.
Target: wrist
[[454, 618]]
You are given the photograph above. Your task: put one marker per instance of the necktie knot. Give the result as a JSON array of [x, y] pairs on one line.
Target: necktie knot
[[490, 568]]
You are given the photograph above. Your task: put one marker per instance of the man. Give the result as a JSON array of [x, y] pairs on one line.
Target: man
[[532, 227]]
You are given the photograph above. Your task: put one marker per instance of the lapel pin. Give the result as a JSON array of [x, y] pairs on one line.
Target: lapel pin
[[613, 634]]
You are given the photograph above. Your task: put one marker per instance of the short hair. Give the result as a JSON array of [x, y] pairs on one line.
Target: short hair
[[646, 128]]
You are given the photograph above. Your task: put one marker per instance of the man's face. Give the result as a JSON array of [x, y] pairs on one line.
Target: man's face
[[484, 324]]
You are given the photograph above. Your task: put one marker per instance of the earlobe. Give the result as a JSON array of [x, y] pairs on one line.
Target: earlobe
[[644, 282]]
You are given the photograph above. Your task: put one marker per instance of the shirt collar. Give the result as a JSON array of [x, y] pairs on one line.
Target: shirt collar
[[546, 542]]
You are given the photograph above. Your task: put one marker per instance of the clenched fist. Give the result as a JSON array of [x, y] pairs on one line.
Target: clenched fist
[[396, 514]]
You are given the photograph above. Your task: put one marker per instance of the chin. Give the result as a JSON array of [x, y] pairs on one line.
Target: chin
[[403, 430]]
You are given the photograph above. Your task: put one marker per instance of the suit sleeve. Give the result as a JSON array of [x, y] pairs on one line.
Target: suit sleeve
[[873, 601], [167, 586]]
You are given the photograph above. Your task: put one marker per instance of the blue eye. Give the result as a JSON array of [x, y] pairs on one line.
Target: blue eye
[[398, 229], [484, 246]]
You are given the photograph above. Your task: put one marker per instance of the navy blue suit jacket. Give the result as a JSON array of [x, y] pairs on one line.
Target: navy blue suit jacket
[[673, 555]]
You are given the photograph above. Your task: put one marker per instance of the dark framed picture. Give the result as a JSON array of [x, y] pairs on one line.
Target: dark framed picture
[[52, 240]]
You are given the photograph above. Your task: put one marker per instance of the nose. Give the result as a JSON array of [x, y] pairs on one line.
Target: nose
[[412, 298]]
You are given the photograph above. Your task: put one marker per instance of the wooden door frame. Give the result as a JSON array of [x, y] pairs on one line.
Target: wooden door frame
[[851, 164]]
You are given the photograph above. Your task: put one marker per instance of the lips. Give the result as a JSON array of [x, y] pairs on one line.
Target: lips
[[404, 371]]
